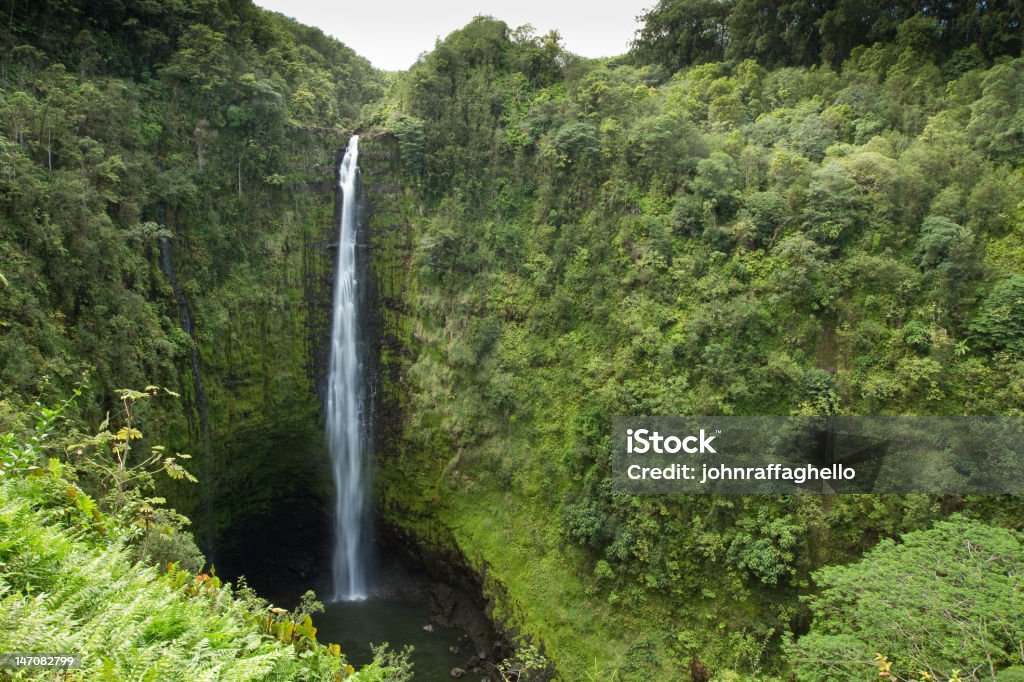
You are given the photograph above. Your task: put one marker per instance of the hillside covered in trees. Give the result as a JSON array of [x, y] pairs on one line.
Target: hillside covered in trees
[[163, 166], [156, 160], [718, 232], [763, 209]]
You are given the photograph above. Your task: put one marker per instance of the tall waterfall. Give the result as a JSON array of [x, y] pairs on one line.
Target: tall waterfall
[[345, 398]]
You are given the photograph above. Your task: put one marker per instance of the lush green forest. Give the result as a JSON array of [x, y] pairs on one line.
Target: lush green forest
[[193, 136], [135, 137], [705, 233], [764, 208]]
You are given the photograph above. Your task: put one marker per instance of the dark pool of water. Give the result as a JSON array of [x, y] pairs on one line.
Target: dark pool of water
[[355, 625]]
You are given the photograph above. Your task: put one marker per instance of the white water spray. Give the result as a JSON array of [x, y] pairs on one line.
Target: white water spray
[[345, 429]]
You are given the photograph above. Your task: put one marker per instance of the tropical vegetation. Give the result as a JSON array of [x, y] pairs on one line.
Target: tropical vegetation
[[764, 208]]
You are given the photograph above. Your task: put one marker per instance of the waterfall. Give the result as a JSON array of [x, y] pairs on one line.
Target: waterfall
[[166, 250], [345, 399]]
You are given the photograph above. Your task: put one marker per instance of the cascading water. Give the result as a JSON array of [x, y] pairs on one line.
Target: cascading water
[[206, 482], [345, 398]]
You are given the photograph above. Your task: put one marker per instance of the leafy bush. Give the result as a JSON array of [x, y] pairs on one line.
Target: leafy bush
[[1000, 323], [947, 598], [69, 583], [945, 246]]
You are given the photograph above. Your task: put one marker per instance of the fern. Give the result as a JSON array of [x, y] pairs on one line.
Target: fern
[[67, 588]]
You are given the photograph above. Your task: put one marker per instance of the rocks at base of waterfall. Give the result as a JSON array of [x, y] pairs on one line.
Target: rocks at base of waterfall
[[477, 665], [458, 672], [453, 649], [428, 628], [454, 595], [443, 602]]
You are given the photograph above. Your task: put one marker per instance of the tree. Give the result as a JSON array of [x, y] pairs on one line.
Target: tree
[[836, 208], [679, 33], [997, 119], [947, 598], [1000, 324], [774, 33], [945, 246], [716, 182]]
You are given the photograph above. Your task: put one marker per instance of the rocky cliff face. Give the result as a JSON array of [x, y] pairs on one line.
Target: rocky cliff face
[[262, 507], [413, 518], [389, 207], [265, 510], [265, 371]]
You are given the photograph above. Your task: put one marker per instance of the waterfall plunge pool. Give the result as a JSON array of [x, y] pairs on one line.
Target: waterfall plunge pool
[[399, 622], [442, 617]]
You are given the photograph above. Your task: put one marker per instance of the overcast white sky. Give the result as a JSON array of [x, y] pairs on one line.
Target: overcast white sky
[[393, 33]]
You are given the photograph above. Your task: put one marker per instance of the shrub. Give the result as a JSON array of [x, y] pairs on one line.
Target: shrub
[[1000, 324], [947, 598]]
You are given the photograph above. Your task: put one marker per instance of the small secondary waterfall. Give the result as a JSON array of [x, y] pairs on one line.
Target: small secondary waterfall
[[185, 312], [345, 399]]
